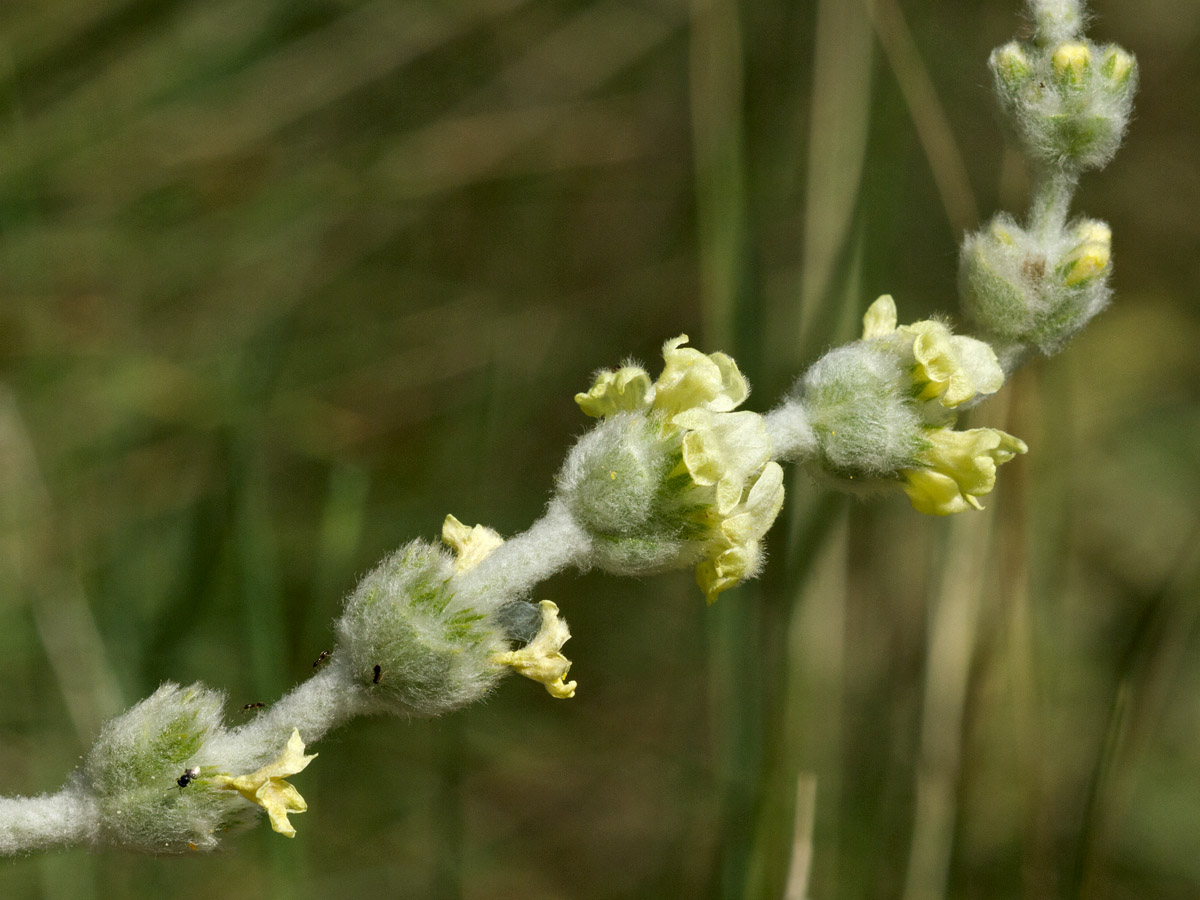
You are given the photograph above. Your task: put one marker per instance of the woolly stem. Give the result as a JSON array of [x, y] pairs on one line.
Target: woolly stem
[[46, 822], [792, 437], [1056, 20], [510, 572], [326, 701], [1051, 203]]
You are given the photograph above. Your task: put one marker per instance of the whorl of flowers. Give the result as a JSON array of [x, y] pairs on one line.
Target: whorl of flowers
[[674, 475], [883, 410]]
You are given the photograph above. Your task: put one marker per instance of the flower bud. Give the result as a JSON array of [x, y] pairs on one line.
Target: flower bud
[[1012, 66], [1071, 64], [1117, 66], [1067, 103], [1035, 292], [1090, 257]]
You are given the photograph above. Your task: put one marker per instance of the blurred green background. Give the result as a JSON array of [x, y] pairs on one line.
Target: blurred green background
[[283, 282]]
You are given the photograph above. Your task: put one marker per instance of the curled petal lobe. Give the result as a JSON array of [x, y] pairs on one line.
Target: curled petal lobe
[[979, 365], [880, 319], [470, 544], [757, 514], [628, 389], [691, 378], [936, 494], [937, 366], [723, 449], [541, 659]]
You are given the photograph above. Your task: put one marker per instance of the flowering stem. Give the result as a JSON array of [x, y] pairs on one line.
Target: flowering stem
[[46, 822], [327, 700], [792, 437], [549, 545], [1051, 202]]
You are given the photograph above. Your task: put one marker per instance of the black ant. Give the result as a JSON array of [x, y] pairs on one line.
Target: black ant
[[320, 659], [188, 777], [378, 674], [250, 706]]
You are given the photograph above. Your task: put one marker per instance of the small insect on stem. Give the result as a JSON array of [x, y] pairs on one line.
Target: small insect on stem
[[378, 674], [188, 777], [250, 706], [325, 654]]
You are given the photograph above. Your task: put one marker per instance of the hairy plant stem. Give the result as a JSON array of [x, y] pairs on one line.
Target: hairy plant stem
[[46, 822], [1051, 202]]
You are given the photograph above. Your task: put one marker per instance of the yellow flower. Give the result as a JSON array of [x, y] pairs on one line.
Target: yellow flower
[[541, 659], [694, 379], [470, 545], [1091, 256], [947, 367], [267, 788], [723, 449], [689, 379], [737, 552], [880, 319], [961, 467], [625, 390]]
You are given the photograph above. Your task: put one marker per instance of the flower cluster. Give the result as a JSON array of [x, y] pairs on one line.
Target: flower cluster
[[884, 408], [1032, 291], [157, 773], [674, 475], [1068, 102]]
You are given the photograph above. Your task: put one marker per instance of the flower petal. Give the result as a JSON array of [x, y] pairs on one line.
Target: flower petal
[[724, 449], [625, 390], [880, 319], [979, 364], [541, 659], [267, 788], [691, 378], [470, 544]]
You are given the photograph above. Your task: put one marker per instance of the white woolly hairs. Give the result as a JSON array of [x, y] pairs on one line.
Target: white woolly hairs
[[402, 642], [1014, 285], [858, 400], [133, 769]]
